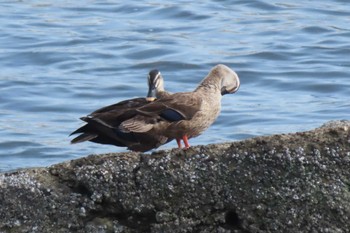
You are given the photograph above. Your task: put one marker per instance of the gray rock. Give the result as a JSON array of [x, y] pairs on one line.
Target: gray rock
[[283, 183]]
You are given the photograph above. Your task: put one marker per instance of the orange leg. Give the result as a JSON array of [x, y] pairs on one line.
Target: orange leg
[[185, 139], [178, 142]]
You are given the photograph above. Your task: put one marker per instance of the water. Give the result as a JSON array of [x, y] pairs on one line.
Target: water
[[60, 60]]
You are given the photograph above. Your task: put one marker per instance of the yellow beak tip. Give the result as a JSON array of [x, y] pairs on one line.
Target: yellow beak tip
[[150, 99]]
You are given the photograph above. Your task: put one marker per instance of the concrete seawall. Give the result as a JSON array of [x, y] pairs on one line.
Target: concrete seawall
[[282, 183]]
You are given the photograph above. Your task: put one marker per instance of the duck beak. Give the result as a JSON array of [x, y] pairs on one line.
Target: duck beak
[[150, 99], [225, 90], [151, 95]]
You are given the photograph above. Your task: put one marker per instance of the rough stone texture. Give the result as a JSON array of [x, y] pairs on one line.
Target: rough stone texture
[[283, 183]]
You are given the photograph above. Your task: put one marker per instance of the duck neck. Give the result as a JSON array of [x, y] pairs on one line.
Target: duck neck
[[210, 85]]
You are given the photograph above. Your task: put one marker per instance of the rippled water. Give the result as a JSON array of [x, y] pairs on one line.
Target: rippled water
[[60, 60]]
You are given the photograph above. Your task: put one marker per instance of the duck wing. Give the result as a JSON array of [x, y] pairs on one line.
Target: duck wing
[[122, 106], [101, 123], [102, 127], [179, 106]]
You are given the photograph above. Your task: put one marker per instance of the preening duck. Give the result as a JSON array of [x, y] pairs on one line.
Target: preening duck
[[183, 115]]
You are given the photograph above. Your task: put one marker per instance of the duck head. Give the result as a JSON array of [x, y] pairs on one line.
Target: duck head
[[155, 84], [230, 82], [220, 79]]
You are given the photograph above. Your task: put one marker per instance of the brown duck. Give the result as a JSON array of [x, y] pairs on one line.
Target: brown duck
[[102, 124], [183, 115]]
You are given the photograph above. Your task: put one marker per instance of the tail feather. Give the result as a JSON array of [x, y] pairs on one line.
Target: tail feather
[[82, 129], [84, 137]]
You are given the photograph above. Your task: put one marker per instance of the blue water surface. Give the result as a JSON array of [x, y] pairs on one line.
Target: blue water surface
[[61, 60]]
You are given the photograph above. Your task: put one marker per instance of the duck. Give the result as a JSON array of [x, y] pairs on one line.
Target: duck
[[156, 85], [183, 115], [101, 125]]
